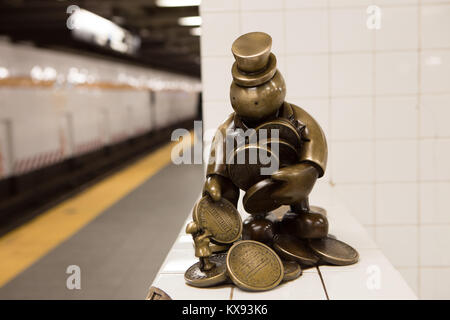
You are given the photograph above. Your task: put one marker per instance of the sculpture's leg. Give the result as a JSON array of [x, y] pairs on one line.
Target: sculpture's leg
[[303, 223], [259, 228], [205, 264]]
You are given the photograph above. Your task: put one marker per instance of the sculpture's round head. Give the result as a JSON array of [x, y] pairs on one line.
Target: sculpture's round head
[[260, 102], [258, 89]]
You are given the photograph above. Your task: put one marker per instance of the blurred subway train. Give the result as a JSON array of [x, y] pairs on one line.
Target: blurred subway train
[[65, 118]]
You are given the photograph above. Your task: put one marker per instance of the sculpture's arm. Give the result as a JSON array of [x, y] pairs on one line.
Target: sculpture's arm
[[299, 179], [315, 149], [217, 183]]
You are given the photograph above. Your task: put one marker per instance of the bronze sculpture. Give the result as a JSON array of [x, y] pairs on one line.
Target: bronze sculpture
[[296, 145]]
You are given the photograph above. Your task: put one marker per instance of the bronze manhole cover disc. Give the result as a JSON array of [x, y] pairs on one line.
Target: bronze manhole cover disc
[[245, 165], [258, 199], [292, 248], [220, 218], [292, 270], [334, 251], [252, 265], [286, 131], [197, 277]]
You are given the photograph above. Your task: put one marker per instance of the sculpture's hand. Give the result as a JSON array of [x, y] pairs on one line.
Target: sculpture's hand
[[213, 187], [298, 181]]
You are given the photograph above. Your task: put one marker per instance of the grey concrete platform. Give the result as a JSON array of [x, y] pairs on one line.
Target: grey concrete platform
[[119, 253]]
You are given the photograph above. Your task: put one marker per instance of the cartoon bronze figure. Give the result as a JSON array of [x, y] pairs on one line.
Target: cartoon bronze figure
[[265, 124], [257, 95]]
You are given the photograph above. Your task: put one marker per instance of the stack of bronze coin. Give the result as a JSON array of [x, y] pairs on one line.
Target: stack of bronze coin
[[253, 265], [266, 151]]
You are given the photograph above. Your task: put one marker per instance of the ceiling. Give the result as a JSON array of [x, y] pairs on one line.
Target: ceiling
[[164, 43]]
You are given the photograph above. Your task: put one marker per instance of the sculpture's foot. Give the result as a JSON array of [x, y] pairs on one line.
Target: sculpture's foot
[[206, 265], [305, 225], [258, 228]]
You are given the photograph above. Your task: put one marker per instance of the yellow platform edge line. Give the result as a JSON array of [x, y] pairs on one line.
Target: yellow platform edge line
[[23, 246]]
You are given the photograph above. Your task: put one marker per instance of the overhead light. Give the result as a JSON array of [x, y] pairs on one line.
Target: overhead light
[[196, 31], [190, 21], [88, 26], [177, 3], [4, 73]]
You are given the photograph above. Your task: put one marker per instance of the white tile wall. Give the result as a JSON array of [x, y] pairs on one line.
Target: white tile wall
[[434, 159], [435, 71], [434, 115], [307, 31], [435, 283], [214, 23], [435, 18], [396, 160], [411, 275], [273, 25], [396, 73], [382, 97], [312, 81], [357, 82], [434, 240], [398, 29], [434, 202], [348, 31], [351, 118], [394, 205], [352, 162], [399, 244], [396, 117]]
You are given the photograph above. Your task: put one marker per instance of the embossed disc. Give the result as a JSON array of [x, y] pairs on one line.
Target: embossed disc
[[286, 131], [257, 199], [201, 278], [253, 266], [285, 151], [292, 248], [246, 163], [292, 270], [220, 218], [333, 251]]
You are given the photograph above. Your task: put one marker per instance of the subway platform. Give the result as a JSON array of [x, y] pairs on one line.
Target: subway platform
[[118, 244]]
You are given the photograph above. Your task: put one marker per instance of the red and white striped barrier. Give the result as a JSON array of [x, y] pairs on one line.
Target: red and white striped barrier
[[38, 161], [88, 146]]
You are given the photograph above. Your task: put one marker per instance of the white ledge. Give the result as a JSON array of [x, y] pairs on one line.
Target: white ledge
[[373, 277]]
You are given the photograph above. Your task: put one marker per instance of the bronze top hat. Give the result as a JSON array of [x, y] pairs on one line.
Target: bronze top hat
[[254, 64]]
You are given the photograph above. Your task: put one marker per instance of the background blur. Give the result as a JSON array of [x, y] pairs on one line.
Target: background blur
[[382, 97], [88, 87]]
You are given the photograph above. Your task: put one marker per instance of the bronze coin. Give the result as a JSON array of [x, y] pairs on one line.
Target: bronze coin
[[292, 270], [220, 218], [258, 199], [246, 163], [286, 131], [197, 277], [155, 293], [286, 152], [333, 251], [291, 248], [253, 266]]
